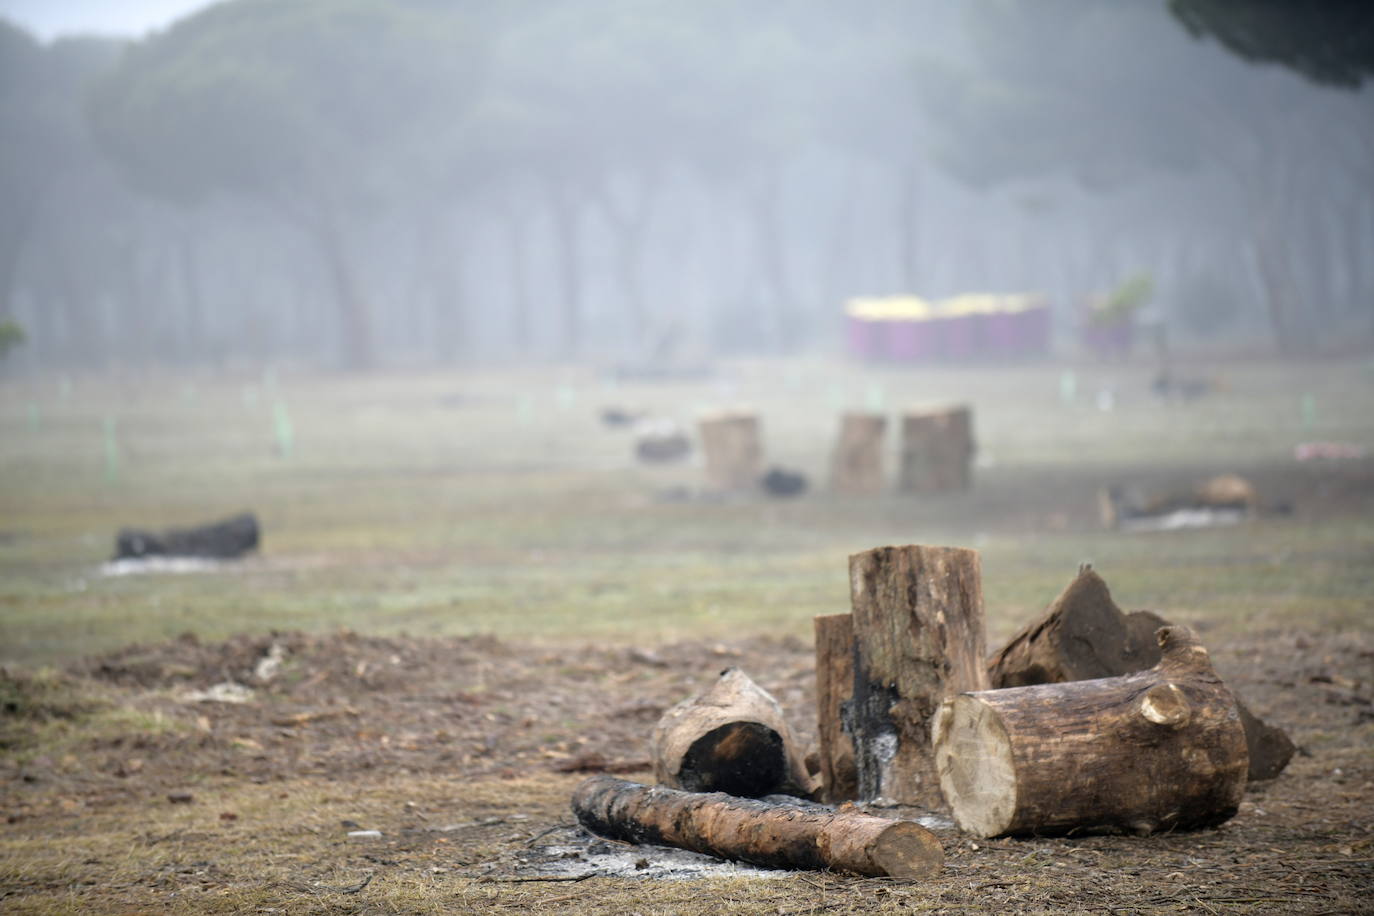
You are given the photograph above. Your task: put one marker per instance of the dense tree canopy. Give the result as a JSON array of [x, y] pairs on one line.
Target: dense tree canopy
[[1331, 41], [381, 180]]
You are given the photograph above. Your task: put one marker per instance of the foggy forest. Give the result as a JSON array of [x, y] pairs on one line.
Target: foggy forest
[[366, 183]]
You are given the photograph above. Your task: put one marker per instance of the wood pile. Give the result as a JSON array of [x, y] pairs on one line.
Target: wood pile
[[1088, 720]]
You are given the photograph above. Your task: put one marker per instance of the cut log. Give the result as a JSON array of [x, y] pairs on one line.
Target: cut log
[[918, 639], [834, 687], [856, 467], [760, 832], [730, 444], [1224, 499], [224, 540], [1160, 749], [731, 738], [937, 451], [1083, 635]]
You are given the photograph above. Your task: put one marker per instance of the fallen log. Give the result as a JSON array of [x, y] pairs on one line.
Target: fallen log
[[765, 833], [1161, 749], [1084, 635], [731, 738], [224, 540], [918, 639], [834, 687]]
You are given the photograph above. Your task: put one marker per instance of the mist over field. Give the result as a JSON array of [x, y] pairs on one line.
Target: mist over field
[[355, 183]]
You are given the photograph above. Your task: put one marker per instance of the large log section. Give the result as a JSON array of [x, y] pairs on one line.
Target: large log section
[[764, 833], [918, 638], [734, 455], [937, 451], [1083, 634], [856, 466], [731, 738], [834, 687], [1161, 749]]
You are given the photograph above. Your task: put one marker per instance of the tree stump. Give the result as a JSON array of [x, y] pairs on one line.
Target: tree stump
[[834, 687], [1084, 635], [731, 738], [762, 832], [937, 451], [856, 467], [730, 443], [918, 639], [1161, 749]]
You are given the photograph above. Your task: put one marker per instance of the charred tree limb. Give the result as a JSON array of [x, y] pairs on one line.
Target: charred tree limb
[[760, 832]]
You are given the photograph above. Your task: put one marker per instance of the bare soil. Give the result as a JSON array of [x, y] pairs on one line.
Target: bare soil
[[484, 739]]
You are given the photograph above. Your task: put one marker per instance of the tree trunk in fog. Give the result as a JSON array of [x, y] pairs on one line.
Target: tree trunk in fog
[[517, 231], [355, 322], [443, 259], [783, 309], [188, 275], [908, 214], [568, 238], [629, 223]]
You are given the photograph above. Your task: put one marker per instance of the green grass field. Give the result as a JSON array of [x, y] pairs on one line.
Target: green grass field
[[495, 502]]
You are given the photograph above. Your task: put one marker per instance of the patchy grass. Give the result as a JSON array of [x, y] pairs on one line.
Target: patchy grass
[[496, 503], [452, 504]]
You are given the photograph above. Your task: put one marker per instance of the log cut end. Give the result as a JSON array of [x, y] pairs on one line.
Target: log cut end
[[867, 845], [973, 757], [907, 850]]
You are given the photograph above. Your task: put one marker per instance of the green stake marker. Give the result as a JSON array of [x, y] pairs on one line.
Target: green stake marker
[[111, 451], [1307, 407], [286, 435], [1068, 386]]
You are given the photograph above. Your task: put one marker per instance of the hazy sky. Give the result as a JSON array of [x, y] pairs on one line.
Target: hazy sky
[[49, 18]]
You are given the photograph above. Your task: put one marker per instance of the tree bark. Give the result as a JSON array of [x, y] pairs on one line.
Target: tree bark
[[730, 443], [919, 638], [1160, 749], [732, 738], [856, 467], [1084, 635], [834, 687], [937, 451], [763, 833]]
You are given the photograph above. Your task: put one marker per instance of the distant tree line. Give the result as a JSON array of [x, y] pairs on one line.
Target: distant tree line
[[359, 182]]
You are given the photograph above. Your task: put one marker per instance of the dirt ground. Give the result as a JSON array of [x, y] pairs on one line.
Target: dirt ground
[[461, 753], [320, 770]]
